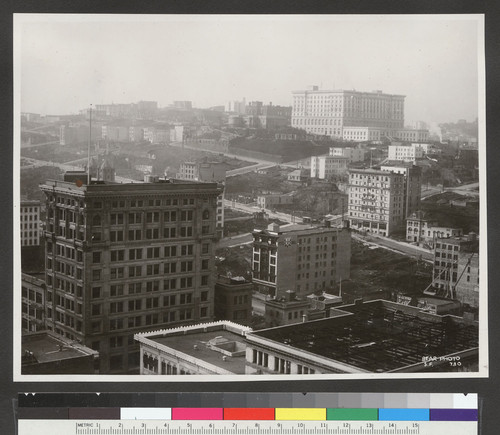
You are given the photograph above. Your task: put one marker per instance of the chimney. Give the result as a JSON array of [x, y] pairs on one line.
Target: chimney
[[273, 227]]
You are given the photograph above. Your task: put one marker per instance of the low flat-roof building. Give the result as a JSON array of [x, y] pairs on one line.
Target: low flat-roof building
[[377, 336], [216, 348], [233, 299], [285, 310], [48, 353]]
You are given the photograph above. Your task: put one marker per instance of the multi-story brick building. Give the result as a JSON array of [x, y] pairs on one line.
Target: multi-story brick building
[[233, 299], [208, 172], [301, 258], [353, 154], [452, 258], [376, 201], [30, 223], [126, 258], [33, 303], [412, 184]]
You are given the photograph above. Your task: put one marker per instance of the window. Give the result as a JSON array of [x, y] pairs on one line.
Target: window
[[96, 275], [170, 216], [135, 254], [116, 218], [203, 312], [205, 248], [116, 236], [204, 280], [134, 235], [186, 266], [169, 267], [204, 296], [186, 231], [170, 251], [152, 233], [152, 302], [152, 217], [118, 255], [204, 264], [187, 250], [206, 215], [134, 218], [134, 321], [186, 298], [96, 292], [153, 253], [116, 307], [186, 282], [153, 269], [186, 216], [169, 301], [169, 284], [205, 229], [169, 233], [134, 271], [152, 286], [96, 257], [116, 290], [135, 288], [135, 304], [117, 272]]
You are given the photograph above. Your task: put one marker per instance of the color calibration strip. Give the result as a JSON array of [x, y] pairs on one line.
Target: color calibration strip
[[262, 414]]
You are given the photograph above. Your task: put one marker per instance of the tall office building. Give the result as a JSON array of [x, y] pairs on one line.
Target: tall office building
[[208, 172], [301, 258], [376, 200], [30, 223], [127, 258], [413, 184], [327, 112]]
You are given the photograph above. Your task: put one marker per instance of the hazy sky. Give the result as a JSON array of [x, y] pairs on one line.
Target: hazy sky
[[67, 62]]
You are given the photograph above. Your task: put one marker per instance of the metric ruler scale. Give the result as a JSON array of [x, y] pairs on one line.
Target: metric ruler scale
[[226, 427]]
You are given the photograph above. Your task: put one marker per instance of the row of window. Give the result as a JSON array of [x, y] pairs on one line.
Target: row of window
[[156, 252], [149, 203]]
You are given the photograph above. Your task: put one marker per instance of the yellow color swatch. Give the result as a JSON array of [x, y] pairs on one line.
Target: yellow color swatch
[[300, 414]]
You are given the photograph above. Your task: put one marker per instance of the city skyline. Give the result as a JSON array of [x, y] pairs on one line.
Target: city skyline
[[211, 60]]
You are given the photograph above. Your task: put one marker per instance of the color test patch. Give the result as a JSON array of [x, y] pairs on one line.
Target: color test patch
[[248, 413], [358, 414], [197, 414], [298, 414]]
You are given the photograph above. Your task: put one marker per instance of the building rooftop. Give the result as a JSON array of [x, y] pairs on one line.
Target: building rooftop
[[377, 336], [45, 346], [105, 187], [205, 342], [303, 228], [373, 171]]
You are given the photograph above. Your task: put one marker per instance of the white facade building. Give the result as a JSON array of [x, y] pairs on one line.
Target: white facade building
[[323, 167], [405, 153], [328, 112], [361, 134], [353, 154], [376, 201]]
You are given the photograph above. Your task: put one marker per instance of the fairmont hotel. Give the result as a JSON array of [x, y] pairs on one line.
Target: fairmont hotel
[[352, 115]]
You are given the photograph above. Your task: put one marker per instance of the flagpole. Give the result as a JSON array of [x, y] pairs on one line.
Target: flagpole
[[88, 150]]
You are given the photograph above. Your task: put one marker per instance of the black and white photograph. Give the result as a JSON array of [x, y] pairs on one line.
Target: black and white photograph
[[259, 197]]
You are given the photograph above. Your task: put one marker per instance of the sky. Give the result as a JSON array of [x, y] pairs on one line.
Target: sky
[[64, 63]]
